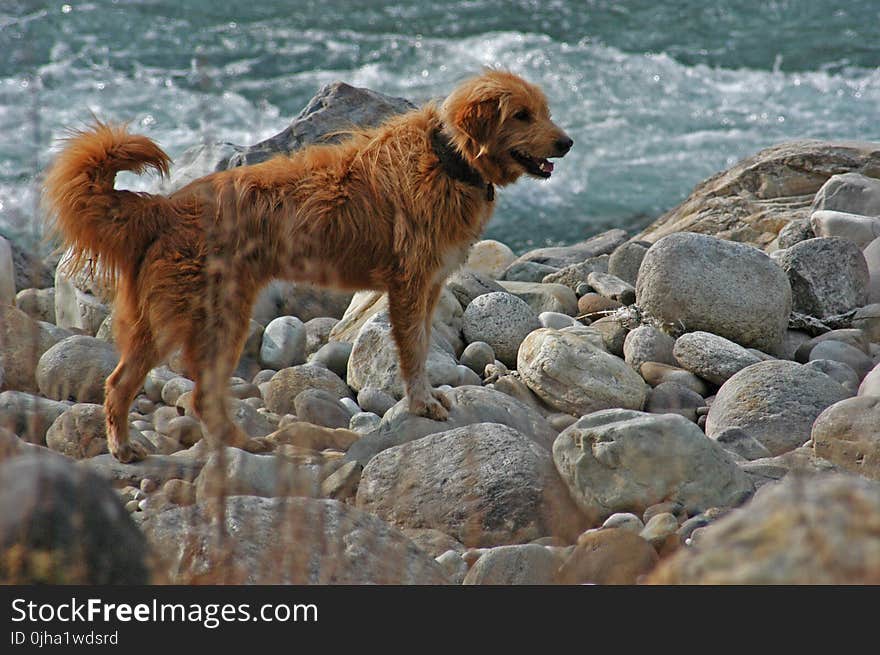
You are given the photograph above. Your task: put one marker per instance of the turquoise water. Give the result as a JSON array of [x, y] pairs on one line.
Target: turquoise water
[[657, 96]]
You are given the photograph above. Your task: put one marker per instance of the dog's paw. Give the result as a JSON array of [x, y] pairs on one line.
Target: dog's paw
[[436, 406], [257, 445], [128, 452]]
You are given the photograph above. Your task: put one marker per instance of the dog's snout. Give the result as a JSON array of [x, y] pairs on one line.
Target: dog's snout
[[564, 144]]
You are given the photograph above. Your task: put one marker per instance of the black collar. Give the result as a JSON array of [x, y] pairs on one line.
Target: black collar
[[455, 166]]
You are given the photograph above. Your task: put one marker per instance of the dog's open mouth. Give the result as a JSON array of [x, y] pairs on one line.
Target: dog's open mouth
[[533, 165]]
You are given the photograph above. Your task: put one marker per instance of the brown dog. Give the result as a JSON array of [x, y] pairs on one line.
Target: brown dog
[[394, 209]]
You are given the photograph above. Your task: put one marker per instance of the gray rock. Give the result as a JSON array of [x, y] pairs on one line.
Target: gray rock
[[528, 272], [673, 398], [711, 357], [22, 342], [433, 542], [610, 556], [364, 422], [648, 344], [848, 434], [321, 408], [838, 371], [185, 430], [76, 368], [544, 297], [27, 415], [466, 284], [612, 287], [797, 532], [828, 276], [655, 374], [282, 390], [239, 473], [469, 405], [572, 375], [575, 274], [183, 465], [557, 321], [525, 564], [39, 304], [844, 353], [287, 541], [626, 260], [562, 256], [750, 201], [849, 192], [740, 442], [620, 460], [477, 356], [284, 343], [7, 273], [696, 282], [794, 232], [861, 230], [79, 432], [867, 319], [334, 356], [774, 402], [659, 529], [374, 359], [371, 399], [484, 484], [870, 386], [872, 259], [318, 332], [852, 337], [500, 320], [156, 380], [75, 307], [613, 333], [68, 524], [175, 388]]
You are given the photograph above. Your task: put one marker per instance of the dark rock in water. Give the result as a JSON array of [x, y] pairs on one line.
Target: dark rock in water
[[335, 108], [754, 199], [60, 524]]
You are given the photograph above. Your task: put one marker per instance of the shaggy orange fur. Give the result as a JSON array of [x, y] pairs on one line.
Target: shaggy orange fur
[[393, 209]]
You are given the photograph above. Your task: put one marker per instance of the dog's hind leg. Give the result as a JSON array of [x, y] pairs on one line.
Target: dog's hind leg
[[137, 358], [410, 307]]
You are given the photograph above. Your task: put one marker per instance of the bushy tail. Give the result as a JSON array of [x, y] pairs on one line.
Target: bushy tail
[[95, 221]]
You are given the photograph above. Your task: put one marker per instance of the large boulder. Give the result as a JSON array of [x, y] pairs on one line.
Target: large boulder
[[848, 434], [60, 524], [697, 282], [484, 484], [822, 530], [572, 374], [774, 402], [374, 360], [751, 201], [286, 541], [828, 276], [29, 415], [76, 368], [625, 461], [470, 404]]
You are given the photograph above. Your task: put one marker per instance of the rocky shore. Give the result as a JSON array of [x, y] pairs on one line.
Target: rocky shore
[[699, 403]]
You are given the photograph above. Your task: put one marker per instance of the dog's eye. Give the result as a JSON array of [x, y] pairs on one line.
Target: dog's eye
[[523, 115]]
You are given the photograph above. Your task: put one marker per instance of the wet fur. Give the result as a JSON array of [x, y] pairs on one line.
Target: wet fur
[[376, 211]]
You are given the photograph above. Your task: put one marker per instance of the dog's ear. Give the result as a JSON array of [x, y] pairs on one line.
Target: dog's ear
[[478, 120]]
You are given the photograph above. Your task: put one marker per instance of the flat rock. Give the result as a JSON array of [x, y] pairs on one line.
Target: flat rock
[[775, 402], [239, 473], [713, 358], [850, 192], [861, 230], [528, 272], [562, 256], [466, 284], [484, 484], [76, 368], [321, 408], [694, 282], [543, 297], [625, 461], [155, 467], [673, 398], [844, 353], [611, 286], [575, 274]]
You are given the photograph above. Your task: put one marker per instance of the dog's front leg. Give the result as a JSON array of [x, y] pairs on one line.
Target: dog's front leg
[[409, 307]]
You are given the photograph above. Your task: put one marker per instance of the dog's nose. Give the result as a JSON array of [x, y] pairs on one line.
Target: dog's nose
[[564, 144]]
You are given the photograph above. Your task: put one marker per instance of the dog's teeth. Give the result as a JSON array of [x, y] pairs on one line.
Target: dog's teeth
[[547, 166]]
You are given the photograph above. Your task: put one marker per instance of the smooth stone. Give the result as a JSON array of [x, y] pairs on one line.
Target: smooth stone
[[626, 260], [659, 529], [321, 407], [849, 192], [867, 319], [621, 460], [477, 356], [861, 230], [648, 344], [434, 542], [239, 473], [522, 564], [572, 375], [185, 430], [490, 257], [528, 272], [853, 337], [673, 398], [624, 521], [318, 332], [374, 400], [309, 436], [795, 231], [283, 343], [713, 358], [594, 306], [23, 341], [848, 434], [76, 368], [611, 286], [656, 373], [175, 388], [281, 391], [609, 557], [364, 422], [501, 320], [775, 402], [543, 297], [700, 282], [484, 484], [561, 256], [29, 416], [613, 333], [39, 304], [557, 321], [740, 442], [466, 284], [576, 274], [845, 354], [870, 385], [334, 356], [872, 259]]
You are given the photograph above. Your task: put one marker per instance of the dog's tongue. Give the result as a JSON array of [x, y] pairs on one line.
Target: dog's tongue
[[546, 166]]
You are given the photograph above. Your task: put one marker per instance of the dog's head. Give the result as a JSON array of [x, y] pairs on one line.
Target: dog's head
[[501, 125]]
